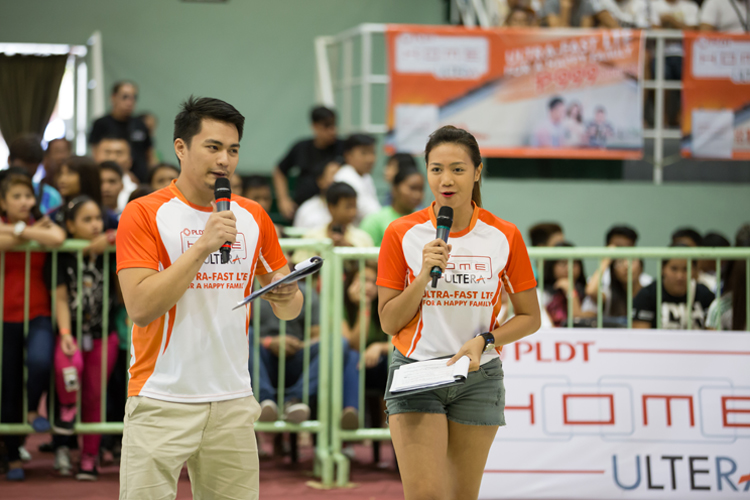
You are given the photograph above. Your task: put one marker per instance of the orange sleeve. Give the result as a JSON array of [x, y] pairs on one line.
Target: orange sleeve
[[518, 269], [392, 268], [137, 238], [270, 250]]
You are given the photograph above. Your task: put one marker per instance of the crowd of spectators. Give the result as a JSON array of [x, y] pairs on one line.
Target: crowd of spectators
[[49, 195]]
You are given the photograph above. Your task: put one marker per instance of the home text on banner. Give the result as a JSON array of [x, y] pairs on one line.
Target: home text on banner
[[521, 92], [600, 414], [716, 96]]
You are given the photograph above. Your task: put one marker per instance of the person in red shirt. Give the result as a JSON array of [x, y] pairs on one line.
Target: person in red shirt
[[455, 426], [22, 223]]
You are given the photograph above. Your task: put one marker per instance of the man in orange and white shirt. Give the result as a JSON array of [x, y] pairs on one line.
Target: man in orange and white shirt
[[189, 396]]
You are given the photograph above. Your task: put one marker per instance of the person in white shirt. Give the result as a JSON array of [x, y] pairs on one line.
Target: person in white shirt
[[314, 212], [728, 16], [359, 158], [117, 149], [628, 13]]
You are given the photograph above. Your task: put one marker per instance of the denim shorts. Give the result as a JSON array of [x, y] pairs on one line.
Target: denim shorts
[[478, 401]]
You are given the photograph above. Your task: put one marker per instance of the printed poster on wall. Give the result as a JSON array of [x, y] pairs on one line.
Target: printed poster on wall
[[521, 92], [623, 414], [716, 96]]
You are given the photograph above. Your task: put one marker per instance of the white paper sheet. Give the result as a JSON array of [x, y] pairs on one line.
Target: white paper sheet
[[430, 373]]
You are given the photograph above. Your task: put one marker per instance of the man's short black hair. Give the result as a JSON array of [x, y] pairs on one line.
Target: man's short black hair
[[324, 115], [187, 123], [112, 137], [67, 143], [625, 231], [254, 182], [118, 85], [26, 148], [540, 233], [742, 238], [554, 102], [714, 239], [357, 140], [339, 191], [110, 165], [688, 232]]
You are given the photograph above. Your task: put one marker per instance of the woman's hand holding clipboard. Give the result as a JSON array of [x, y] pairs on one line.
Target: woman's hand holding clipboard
[[301, 270]]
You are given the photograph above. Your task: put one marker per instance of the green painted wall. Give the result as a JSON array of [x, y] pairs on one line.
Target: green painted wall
[[256, 54]]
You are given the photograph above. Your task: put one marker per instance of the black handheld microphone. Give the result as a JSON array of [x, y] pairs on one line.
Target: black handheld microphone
[[444, 223], [223, 196]]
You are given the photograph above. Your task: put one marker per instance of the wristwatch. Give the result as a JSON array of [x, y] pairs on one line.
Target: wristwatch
[[489, 341], [18, 228]]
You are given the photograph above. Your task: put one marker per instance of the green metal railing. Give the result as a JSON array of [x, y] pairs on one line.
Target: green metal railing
[[342, 256]]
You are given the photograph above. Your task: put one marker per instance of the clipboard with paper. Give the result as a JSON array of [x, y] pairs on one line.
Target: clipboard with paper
[[301, 271]]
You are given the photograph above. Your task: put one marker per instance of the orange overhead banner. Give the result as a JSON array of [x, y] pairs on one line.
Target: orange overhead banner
[[716, 96], [522, 92]]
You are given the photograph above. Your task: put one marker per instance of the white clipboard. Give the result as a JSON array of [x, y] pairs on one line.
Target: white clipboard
[[301, 270]]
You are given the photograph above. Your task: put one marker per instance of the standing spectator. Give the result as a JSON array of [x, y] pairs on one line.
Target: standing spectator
[[120, 122], [57, 152], [310, 156], [707, 267], [599, 130], [675, 311], [83, 220], [550, 132], [117, 149], [111, 176], [687, 236], [546, 234], [342, 205], [22, 222], [359, 158], [407, 194], [314, 212], [628, 13], [162, 175], [728, 16], [576, 13], [26, 152], [575, 130]]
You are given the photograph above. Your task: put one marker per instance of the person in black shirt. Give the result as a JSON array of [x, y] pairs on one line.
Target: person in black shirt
[[311, 156], [120, 122], [674, 307]]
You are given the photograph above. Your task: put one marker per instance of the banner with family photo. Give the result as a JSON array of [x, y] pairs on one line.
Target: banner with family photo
[[716, 96], [521, 92]]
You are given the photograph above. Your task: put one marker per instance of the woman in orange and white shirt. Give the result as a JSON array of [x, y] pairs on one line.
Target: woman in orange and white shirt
[[454, 426]]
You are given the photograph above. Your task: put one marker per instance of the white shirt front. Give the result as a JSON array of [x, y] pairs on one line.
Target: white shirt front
[[128, 186], [723, 15], [312, 213], [367, 195]]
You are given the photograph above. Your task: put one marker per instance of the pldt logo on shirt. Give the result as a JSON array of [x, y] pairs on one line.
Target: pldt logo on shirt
[[188, 237], [468, 270]]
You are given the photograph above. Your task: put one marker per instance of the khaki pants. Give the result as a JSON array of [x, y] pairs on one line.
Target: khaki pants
[[217, 440]]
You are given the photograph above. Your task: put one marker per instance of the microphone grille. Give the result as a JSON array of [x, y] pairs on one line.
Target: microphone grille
[[445, 216], [222, 188]]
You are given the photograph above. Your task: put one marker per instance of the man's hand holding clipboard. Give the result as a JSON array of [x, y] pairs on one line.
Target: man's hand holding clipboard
[[282, 288]]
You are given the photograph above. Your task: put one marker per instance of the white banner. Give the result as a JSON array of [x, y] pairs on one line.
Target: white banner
[[599, 414]]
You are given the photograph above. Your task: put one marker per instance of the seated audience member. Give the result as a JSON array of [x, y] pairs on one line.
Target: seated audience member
[[162, 175], [121, 122], [407, 194], [521, 17], [258, 189], [26, 152], [314, 212], [546, 234], [617, 236], [395, 163], [310, 156], [707, 267], [142, 190], [576, 13], [57, 152], [728, 16], [22, 222], [599, 130], [236, 183], [556, 286], [675, 311], [83, 220], [111, 175], [117, 149], [730, 310], [629, 13], [501, 10], [342, 205], [359, 158], [687, 236], [615, 294], [294, 411]]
